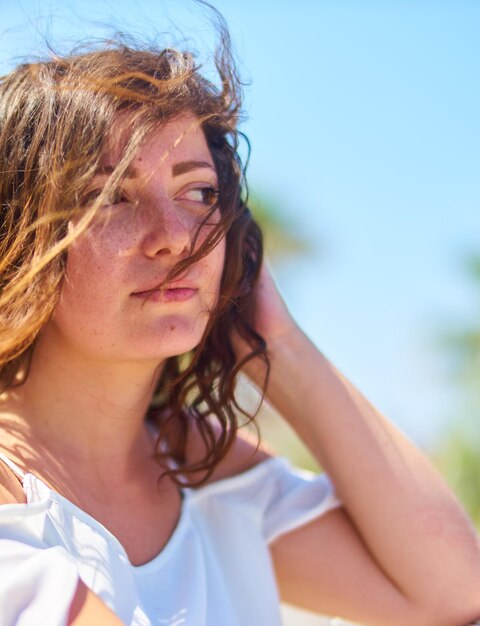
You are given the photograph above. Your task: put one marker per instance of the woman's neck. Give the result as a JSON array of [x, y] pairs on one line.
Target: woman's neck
[[82, 411]]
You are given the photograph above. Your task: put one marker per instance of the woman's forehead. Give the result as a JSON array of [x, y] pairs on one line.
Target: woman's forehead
[[181, 138]]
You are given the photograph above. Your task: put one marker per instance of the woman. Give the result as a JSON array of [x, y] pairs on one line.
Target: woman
[[133, 292]]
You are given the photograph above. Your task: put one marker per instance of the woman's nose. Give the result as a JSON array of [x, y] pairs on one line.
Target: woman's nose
[[168, 232]]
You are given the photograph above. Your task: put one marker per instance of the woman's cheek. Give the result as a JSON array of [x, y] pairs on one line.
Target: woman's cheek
[[217, 262]]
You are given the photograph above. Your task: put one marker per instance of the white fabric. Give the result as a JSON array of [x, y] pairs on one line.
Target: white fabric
[[214, 571]]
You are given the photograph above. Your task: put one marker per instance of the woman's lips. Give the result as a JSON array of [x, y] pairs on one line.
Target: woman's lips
[[173, 294]]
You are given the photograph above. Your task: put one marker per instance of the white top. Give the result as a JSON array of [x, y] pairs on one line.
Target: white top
[[214, 571]]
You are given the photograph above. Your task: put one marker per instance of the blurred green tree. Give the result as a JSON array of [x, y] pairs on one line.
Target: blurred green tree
[[283, 240], [457, 455]]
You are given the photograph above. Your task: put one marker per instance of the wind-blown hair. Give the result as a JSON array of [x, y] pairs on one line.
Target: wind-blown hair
[[54, 118]]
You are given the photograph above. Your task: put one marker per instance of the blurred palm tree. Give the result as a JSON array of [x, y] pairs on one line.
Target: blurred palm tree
[[458, 454], [283, 240]]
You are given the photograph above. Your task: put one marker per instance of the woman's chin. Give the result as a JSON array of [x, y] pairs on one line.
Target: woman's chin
[[175, 339]]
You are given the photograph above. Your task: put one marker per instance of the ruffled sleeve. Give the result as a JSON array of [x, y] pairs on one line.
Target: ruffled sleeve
[[275, 496], [37, 583], [293, 497]]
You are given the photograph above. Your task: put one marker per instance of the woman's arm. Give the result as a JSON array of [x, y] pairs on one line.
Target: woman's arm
[[411, 528], [87, 609]]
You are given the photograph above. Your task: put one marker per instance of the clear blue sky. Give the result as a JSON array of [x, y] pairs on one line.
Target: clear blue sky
[[365, 126]]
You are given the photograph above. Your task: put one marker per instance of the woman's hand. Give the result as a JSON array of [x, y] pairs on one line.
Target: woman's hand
[[272, 318]]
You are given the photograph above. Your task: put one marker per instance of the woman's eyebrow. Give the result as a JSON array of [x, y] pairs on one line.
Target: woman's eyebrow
[[177, 168], [104, 170], [187, 166]]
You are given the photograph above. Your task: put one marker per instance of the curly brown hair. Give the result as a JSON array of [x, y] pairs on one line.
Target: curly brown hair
[[54, 117]]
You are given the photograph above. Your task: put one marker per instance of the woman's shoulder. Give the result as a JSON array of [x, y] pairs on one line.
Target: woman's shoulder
[[242, 456]]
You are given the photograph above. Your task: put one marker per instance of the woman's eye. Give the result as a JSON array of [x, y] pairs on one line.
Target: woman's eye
[[206, 196]]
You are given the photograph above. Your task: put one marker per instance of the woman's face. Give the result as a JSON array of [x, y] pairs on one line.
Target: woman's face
[[108, 306]]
